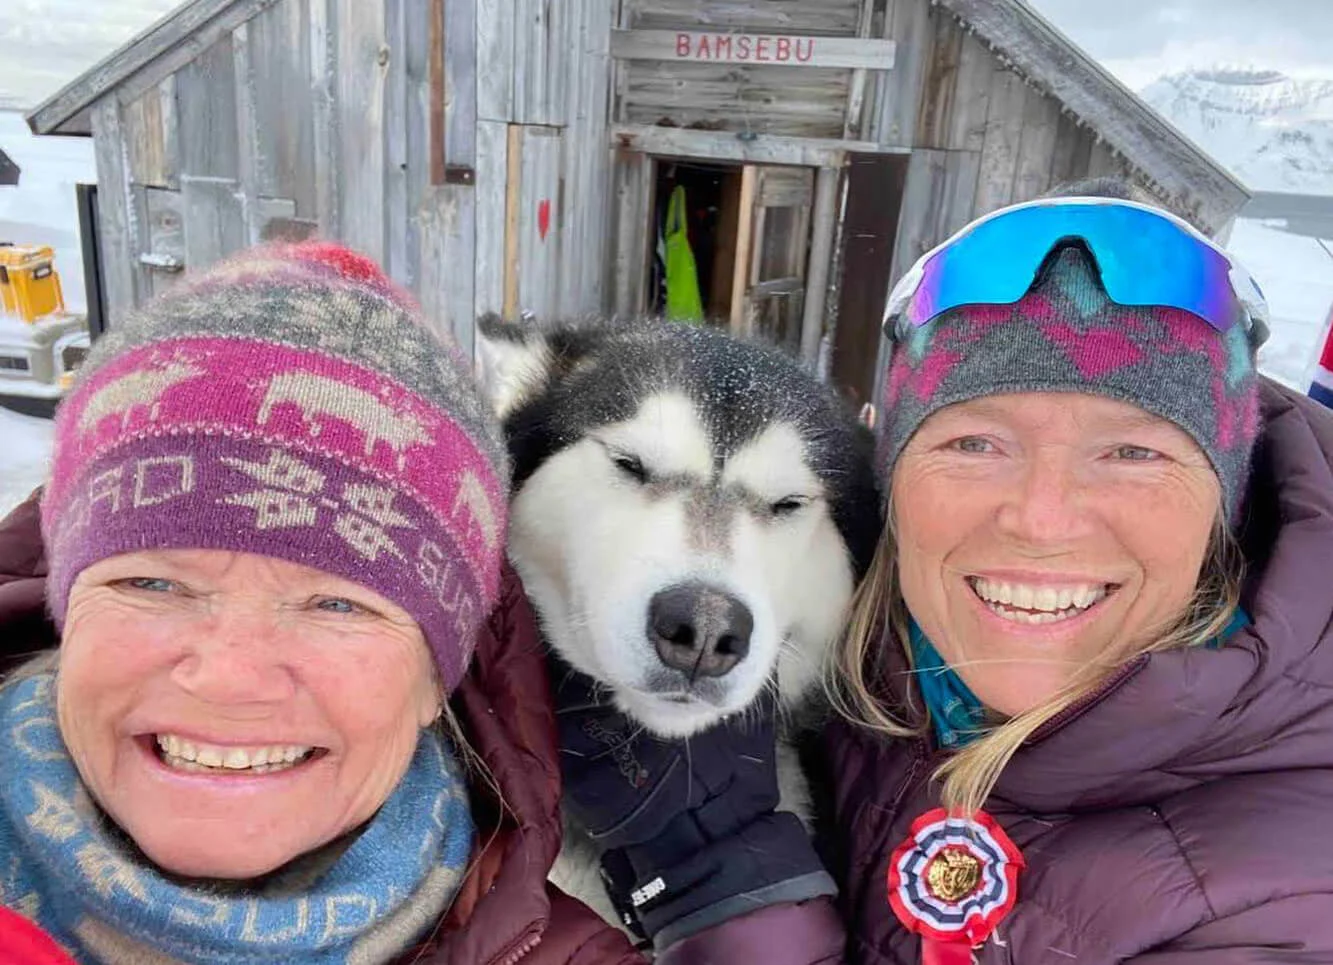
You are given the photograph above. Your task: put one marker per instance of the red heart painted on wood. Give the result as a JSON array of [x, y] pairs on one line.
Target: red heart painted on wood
[[544, 218]]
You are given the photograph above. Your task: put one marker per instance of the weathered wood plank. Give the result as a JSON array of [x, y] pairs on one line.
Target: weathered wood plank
[[416, 46], [788, 50], [967, 125], [148, 59], [745, 238], [144, 140], [324, 124], [249, 164], [166, 237], [825, 221], [999, 153], [363, 58], [280, 64], [1073, 147], [909, 23], [856, 92], [923, 198], [539, 61], [117, 232], [398, 261], [875, 185], [214, 220], [585, 221], [750, 100], [460, 84], [437, 93], [1041, 123], [633, 194], [447, 254], [764, 149], [492, 168], [513, 217], [495, 49], [827, 17], [959, 193], [206, 113], [540, 217], [1189, 180], [940, 84], [441, 225], [1104, 162]]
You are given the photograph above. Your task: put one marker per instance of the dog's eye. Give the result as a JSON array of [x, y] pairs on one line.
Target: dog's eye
[[787, 506], [631, 466]]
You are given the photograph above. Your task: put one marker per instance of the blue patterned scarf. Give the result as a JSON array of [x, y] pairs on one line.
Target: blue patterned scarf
[[61, 866]]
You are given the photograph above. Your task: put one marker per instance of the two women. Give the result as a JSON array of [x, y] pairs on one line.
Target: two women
[[1091, 672]]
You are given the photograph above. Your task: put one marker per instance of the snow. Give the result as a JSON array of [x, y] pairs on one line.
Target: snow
[[27, 451], [42, 209], [1296, 276]]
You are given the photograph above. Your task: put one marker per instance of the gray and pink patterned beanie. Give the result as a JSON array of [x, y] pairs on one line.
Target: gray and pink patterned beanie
[[1066, 335], [290, 403]]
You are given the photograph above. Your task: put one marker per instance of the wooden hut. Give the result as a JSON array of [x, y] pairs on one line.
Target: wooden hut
[[516, 155]]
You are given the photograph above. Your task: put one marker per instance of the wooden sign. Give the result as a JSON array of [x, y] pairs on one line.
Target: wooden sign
[[780, 50]]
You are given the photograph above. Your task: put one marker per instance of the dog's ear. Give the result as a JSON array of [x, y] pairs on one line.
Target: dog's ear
[[513, 361]]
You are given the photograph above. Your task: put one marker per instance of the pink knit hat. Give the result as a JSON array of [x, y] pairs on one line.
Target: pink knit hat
[[289, 403]]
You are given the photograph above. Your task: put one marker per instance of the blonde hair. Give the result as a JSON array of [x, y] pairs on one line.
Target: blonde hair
[[879, 618]]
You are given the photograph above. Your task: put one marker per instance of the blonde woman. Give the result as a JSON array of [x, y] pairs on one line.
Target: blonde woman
[[1091, 673]]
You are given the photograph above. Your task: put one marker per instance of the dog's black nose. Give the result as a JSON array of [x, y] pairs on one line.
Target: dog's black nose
[[699, 629]]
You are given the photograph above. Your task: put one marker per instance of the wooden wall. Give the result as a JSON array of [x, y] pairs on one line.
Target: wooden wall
[[466, 144], [325, 117], [809, 102], [984, 138]]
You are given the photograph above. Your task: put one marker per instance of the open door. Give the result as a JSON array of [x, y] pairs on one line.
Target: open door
[[772, 253]]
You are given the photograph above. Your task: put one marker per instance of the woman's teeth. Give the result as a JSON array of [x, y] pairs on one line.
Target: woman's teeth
[[187, 755], [1027, 603]]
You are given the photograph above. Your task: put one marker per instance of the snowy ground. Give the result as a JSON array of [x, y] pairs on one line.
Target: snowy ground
[[25, 447], [42, 209], [1297, 278]]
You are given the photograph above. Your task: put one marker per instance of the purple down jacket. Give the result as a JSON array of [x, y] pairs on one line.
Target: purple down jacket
[[1184, 815]]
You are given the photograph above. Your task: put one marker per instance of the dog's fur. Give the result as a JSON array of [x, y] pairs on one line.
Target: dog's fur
[[651, 455]]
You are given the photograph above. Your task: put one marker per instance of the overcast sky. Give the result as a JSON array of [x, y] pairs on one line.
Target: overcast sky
[[1139, 40], [47, 43]]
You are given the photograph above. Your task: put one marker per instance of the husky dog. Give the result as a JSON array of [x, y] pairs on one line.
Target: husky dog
[[690, 516]]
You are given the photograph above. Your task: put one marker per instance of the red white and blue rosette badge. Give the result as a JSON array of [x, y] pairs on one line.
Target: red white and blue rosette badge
[[952, 881]]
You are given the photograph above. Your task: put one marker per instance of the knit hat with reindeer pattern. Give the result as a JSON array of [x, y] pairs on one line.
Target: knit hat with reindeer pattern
[[290, 403]]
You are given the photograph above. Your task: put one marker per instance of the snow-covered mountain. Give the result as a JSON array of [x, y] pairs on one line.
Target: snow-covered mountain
[[1272, 131]]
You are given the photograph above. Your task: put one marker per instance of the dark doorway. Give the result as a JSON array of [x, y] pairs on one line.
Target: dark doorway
[[712, 193], [875, 185]]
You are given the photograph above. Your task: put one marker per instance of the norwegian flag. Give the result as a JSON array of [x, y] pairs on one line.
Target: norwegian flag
[[1321, 386]]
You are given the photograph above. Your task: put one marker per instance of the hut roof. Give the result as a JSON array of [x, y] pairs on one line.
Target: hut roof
[[1031, 45]]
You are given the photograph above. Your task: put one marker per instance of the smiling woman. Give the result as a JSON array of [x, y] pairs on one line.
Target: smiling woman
[[241, 681], [274, 529], [1066, 735]]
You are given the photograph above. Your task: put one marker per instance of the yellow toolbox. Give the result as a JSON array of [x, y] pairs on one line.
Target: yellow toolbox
[[29, 285]]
